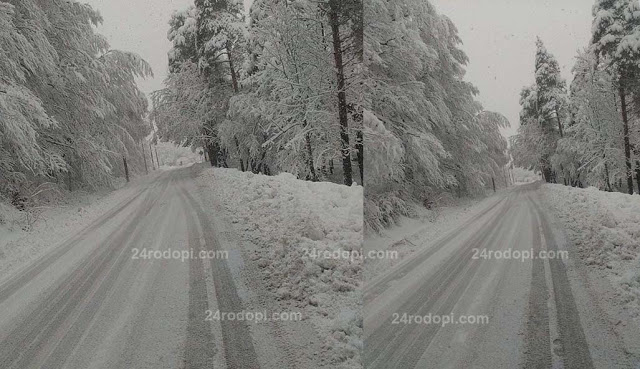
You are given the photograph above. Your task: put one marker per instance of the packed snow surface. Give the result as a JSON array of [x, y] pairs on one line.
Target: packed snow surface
[[292, 222], [412, 235], [25, 236]]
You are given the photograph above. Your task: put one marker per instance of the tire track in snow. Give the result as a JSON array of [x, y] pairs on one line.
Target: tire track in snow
[[52, 328], [236, 337], [13, 284], [378, 286], [575, 349], [199, 347], [401, 346], [537, 340]]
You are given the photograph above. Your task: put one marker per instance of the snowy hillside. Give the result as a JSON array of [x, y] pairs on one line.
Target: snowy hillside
[[605, 228]]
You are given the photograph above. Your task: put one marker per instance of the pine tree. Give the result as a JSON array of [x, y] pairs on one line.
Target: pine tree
[[551, 88], [425, 131], [544, 104], [592, 145], [616, 38]]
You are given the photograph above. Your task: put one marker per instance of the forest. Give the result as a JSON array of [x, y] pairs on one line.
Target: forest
[[425, 132], [278, 92], [70, 109], [587, 134]]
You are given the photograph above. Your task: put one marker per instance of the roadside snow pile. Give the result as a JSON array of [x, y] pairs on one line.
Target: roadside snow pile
[[307, 234], [605, 229]]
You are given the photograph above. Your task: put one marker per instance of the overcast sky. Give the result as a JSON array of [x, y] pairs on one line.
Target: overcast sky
[[499, 38], [141, 26]]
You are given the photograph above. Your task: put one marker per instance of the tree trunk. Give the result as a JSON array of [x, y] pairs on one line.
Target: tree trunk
[[547, 174], [638, 175], [236, 89], [312, 169], [126, 168], [239, 154], [627, 145], [559, 123], [225, 155], [213, 154], [234, 78], [157, 158], [360, 148], [334, 6], [606, 174]]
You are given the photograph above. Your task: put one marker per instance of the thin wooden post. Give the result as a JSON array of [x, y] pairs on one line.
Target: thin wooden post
[[126, 168], [494, 184]]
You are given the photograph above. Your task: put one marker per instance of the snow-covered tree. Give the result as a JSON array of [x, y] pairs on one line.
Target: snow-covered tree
[[269, 93], [292, 89], [210, 35], [545, 104], [593, 143], [415, 92], [396, 57], [184, 104], [68, 103], [616, 39]]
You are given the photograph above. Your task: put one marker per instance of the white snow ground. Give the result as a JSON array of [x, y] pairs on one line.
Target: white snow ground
[[55, 222], [415, 234], [287, 219], [605, 230]]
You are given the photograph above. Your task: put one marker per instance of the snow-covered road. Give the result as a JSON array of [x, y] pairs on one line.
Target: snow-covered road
[[96, 301], [475, 298]]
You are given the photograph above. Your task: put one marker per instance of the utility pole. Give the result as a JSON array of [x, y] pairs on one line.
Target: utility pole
[[144, 156], [126, 168]]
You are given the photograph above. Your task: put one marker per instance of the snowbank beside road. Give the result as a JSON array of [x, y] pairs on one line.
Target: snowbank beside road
[[295, 223], [23, 239], [413, 235], [605, 230]]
